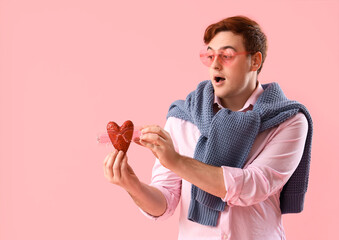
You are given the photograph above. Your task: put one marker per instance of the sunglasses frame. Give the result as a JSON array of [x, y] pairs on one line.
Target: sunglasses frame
[[219, 54]]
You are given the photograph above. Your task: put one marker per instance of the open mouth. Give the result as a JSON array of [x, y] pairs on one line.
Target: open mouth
[[218, 79]]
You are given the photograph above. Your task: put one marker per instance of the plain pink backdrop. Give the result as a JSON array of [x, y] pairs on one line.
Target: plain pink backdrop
[[67, 67]]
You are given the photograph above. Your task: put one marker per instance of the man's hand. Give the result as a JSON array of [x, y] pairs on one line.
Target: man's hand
[[119, 172], [148, 198], [208, 178], [160, 143]]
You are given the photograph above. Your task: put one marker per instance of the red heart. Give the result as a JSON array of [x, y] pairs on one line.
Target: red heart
[[120, 137]]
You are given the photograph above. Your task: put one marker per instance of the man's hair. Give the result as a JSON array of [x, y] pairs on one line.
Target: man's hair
[[254, 39]]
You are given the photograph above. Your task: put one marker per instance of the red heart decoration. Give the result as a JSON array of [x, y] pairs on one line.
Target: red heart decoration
[[120, 137]]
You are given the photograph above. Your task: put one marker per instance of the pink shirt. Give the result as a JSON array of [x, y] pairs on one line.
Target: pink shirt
[[253, 207]]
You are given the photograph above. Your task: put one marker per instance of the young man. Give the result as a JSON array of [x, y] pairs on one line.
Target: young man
[[235, 152]]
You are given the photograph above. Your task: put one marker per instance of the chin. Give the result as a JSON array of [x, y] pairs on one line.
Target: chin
[[221, 94]]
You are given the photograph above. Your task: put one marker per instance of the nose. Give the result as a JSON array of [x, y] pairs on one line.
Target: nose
[[216, 63]]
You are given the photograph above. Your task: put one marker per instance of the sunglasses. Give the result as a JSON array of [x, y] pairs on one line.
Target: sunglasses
[[224, 56]]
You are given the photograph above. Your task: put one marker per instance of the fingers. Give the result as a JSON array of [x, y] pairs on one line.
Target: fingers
[[137, 140], [111, 159], [124, 166], [116, 168], [155, 129], [152, 138], [108, 163], [117, 165], [108, 156], [147, 144]]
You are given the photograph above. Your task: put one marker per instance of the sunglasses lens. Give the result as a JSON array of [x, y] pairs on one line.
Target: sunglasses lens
[[227, 56], [207, 57]]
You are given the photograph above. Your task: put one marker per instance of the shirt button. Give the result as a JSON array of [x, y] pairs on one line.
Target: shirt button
[[224, 236]]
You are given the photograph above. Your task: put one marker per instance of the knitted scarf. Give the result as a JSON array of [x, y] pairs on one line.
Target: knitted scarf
[[227, 138]]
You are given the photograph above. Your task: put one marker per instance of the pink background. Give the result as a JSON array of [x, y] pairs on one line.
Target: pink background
[[67, 67]]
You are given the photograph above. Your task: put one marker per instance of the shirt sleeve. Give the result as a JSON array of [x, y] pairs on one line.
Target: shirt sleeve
[[166, 181], [271, 169]]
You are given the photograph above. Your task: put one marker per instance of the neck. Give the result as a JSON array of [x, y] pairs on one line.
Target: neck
[[237, 102]]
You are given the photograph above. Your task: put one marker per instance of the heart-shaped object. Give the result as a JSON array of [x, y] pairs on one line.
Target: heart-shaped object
[[120, 137]]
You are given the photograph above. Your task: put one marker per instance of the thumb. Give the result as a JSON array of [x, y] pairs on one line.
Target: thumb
[[125, 167], [130, 170]]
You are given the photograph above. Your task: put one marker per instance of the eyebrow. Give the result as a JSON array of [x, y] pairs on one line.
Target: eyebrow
[[223, 48]]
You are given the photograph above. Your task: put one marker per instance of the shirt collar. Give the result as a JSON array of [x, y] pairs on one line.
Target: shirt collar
[[250, 101]]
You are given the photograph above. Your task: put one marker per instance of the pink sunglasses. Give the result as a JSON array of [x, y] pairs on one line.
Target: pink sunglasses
[[224, 56]]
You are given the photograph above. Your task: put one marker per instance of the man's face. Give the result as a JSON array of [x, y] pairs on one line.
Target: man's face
[[238, 79]]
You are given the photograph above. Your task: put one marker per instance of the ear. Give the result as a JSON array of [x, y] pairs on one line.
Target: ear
[[256, 61]]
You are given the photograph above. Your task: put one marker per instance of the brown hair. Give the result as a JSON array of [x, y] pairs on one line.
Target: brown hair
[[254, 39]]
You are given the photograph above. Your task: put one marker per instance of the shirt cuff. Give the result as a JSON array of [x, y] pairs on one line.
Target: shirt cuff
[[169, 209], [234, 181]]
